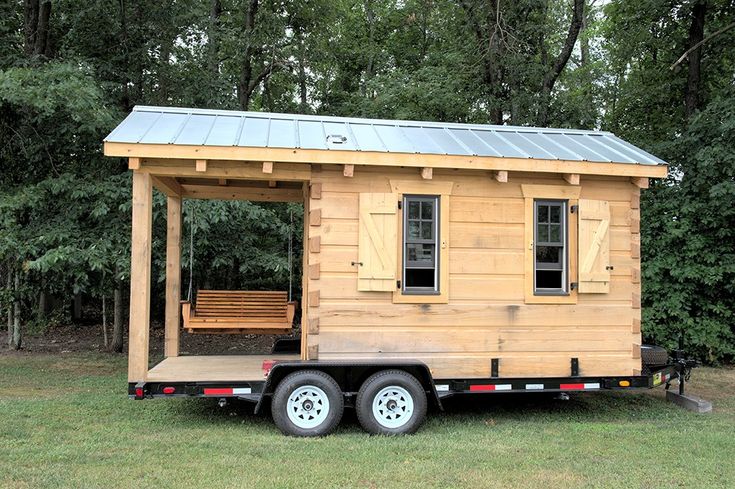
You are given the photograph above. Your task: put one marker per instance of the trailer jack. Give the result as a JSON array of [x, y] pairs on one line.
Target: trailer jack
[[689, 402]]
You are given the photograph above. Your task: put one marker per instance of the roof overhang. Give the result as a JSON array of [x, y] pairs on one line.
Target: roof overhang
[[236, 154]]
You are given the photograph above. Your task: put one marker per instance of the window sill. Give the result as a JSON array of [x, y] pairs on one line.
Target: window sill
[[401, 298], [570, 298]]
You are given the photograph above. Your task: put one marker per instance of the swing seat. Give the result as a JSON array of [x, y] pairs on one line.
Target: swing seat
[[235, 311]]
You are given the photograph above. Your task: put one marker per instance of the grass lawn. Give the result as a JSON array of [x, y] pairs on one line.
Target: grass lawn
[[65, 421]]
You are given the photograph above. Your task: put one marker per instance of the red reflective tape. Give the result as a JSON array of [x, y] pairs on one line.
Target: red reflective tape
[[219, 391], [569, 387], [482, 387]]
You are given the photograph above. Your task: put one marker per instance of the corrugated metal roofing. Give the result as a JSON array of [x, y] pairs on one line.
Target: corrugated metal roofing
[[200, 127]]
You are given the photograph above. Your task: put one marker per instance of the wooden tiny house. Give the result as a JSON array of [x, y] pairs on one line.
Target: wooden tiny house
[[483, 252]]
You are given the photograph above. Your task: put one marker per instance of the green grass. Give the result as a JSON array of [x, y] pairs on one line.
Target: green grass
[[65, 421]]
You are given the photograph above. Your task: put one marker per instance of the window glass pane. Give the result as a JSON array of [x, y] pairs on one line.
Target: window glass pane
[[427, 229], [413, 229], [548, 254], [543, 213], [427, 210], [543, 233], [414, 210], [420, 277], [548, 279], [420, 254], [555, 233], [555, 213]]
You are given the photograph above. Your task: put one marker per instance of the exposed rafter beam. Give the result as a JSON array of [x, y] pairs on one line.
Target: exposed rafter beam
[[267, 167], [201, 165], [256, 194], [571, 178], [133, 163], [640, 182], [427, 173], [501, 176], [349, 170], [168, 185]]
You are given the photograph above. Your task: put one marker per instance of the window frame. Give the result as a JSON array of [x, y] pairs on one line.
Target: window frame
[[571, 194], [444, 189], [564, 262], [435, 241]]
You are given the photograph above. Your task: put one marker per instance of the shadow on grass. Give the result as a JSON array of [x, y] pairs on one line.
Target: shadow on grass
[[609, 407]]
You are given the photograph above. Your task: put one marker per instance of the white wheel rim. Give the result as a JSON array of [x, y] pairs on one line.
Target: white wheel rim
[[307, 407], [393, 406]]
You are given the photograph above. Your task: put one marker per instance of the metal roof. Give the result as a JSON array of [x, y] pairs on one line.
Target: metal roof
[[200, 127]]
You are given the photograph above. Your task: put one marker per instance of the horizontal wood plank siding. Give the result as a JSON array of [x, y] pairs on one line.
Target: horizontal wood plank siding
[[486, 316]]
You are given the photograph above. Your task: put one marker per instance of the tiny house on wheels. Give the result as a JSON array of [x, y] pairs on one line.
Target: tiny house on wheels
[[439, 259]]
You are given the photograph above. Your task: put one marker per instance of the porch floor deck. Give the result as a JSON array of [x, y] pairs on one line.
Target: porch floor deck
[[213, 368]]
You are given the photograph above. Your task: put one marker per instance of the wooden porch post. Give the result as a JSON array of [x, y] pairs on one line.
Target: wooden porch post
[[173, 276], [140, 277]]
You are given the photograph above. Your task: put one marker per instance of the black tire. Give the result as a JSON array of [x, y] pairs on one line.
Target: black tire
[[374, 386], [654, 356], [309, 382]]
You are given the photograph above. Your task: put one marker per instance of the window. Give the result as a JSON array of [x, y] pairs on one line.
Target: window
[[420, 239], [550, 247]]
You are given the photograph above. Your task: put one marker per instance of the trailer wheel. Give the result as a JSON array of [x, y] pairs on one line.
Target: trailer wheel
[[307, 403], [391, 402]]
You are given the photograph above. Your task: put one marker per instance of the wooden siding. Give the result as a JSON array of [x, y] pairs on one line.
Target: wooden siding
[[487, 315]]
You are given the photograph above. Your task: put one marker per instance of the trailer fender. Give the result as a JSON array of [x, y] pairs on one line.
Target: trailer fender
[[350, 375]]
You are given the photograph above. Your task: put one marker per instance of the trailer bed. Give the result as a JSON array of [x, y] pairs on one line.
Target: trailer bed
[[214, 368]]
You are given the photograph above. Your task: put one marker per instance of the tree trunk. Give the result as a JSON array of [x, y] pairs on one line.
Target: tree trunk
[[584, 41], [303, 103], [370, 69], [17, 340], [77, 307], [696, 35], [125, 45], [10, 308], [245, 87], [104, 321], [30, 27], [560, 62], [213, 39], [117, 327], [41, 47], [42, 303]]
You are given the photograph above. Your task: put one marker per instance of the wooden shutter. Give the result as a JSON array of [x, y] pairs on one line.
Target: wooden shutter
[[594, 246], [378, 242]]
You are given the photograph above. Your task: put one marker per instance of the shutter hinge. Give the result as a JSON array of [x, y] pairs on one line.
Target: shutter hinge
[[400, 204], [398, 284], [574, 208], [574, 285]]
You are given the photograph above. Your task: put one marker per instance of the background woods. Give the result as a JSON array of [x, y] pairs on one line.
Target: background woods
[[71, 69]]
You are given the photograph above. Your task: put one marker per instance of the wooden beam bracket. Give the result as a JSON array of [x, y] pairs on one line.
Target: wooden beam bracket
[[501, 176], [267, 167], [349, 171], [427, 173], [201, 165], [571, 178]]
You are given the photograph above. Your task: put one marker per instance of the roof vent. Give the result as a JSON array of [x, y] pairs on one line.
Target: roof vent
[[336, 139]]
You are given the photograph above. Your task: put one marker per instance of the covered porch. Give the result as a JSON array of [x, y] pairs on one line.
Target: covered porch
[[181, 179]]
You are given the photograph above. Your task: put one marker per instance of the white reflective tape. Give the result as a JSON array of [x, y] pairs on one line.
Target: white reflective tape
[[241, 390], [535, 387], [592, 386], [442, 387], [503, 387]]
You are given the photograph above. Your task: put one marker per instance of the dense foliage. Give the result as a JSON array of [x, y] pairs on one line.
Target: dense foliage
[[70, 69]]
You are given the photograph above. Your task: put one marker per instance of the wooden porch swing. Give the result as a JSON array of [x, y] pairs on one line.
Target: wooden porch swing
[[240, 311]]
